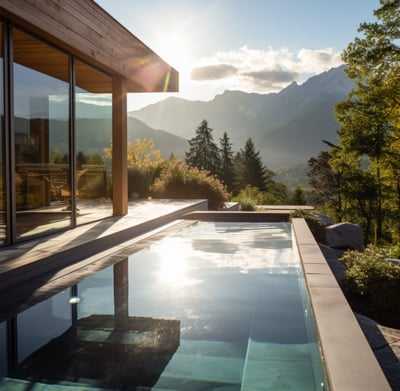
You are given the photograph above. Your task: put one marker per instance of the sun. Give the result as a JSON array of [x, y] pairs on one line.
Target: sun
[[173, 47], [175, 269]]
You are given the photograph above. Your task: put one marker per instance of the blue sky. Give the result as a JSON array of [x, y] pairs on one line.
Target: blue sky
[[249, 45]]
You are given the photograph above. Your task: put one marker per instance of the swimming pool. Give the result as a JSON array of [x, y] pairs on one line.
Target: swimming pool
[[212, 306]]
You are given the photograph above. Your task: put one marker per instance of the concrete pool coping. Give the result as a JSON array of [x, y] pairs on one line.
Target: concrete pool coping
[[349, 360]]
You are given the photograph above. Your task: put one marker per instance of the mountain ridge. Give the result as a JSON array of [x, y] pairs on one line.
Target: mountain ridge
[[287, 127]]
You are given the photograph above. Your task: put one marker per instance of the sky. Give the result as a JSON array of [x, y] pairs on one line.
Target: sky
[[258, 46]]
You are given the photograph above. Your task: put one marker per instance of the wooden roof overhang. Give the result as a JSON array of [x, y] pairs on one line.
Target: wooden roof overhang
[[84, 29]]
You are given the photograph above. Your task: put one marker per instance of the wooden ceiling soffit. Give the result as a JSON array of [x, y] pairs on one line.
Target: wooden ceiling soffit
[[84, 29]]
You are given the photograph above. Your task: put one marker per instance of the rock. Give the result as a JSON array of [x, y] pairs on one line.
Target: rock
[[332, 258], [325, 220], [344, 236]]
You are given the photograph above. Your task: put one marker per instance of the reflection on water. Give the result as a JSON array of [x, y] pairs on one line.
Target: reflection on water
[[95, 350], [216, 306]]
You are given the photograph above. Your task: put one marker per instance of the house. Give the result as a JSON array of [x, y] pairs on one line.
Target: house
[[66, 69]]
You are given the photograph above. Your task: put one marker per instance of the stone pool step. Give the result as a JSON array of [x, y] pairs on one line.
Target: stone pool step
[[201, 363], [285, 366]]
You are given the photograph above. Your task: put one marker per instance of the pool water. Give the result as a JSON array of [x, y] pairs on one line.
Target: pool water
[[215, 306]]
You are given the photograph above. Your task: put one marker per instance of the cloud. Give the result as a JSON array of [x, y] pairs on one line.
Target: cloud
[[316, 61], [271, 78], [263, 70], [213, 72]]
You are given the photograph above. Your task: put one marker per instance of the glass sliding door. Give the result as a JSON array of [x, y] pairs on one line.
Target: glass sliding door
[[41, 135], [93, 133], [3, 204]]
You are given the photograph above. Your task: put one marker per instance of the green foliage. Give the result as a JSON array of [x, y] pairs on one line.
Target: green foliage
[[93, 185], [298, 197], [315, 225], [359, 179], [204, 153], [141, 178], [327, 184], [247, 205], [369, 274], [276, 193], [251, 194], [226, 170], [394, 251], [249, 169], [179, 180]]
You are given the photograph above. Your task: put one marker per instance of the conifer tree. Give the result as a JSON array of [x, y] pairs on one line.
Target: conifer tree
[[226, 173], [203, 152], [298, 197], [250, 170]]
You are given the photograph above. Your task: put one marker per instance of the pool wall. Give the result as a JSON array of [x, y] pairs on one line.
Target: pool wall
[[350, 363]]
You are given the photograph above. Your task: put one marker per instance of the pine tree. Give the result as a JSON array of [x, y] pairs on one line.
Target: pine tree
[[250, 170], [226, 173], [298, 197], [203, 152]]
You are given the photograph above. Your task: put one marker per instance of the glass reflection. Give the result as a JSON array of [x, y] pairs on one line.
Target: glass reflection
[[102, 348], [93, 122], [41, 134], [3, 227], [3, 349]]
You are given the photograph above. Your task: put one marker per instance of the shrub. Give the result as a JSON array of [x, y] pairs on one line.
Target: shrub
[[314, 223], [247, 204], [141, 178], [250, 194], [369, 274], [179, 180]]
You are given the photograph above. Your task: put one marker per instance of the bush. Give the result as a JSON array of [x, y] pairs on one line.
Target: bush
[[314, 223], [247, 205], [369, 274], [179, 180], [141, 178], [250, 194]]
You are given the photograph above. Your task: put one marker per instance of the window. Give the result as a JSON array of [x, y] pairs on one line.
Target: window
[[3, 205], [41, 135], [93, 132]]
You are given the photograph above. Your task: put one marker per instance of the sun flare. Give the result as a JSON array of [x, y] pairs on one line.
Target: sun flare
[[175, 266], [174, 49]]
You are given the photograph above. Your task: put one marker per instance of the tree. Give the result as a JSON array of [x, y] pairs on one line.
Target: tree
[[327, 185], [203, 152], [226, 172], [368, 119], [298, 197], [250, 169]]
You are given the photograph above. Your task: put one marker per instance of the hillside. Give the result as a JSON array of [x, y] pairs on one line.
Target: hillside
[[287, 127], [95, 134]]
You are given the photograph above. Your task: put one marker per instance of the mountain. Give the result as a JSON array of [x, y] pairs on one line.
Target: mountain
[[95, 135], [287, 127], [166, 142]]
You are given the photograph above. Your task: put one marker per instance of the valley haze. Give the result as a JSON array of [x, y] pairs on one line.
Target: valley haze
[[286, 127]]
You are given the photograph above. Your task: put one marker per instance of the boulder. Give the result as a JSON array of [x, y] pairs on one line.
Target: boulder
[[325, 220], [332, 258], [344, 236]]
